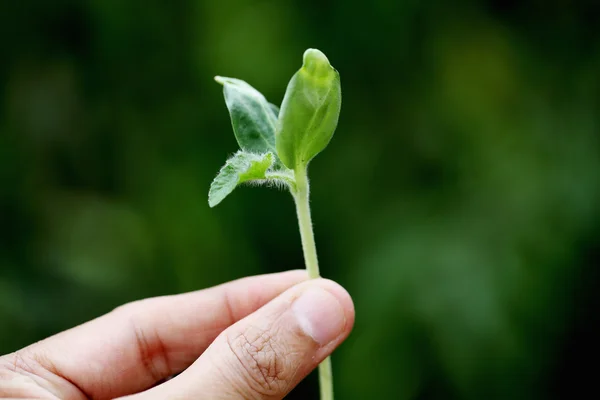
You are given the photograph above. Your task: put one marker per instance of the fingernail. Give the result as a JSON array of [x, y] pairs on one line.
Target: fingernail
[[319, 314]]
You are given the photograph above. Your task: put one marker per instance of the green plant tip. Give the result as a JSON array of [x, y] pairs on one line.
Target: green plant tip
[[316, 63], [309, 112]]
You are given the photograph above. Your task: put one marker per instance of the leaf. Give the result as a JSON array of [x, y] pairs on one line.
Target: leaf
[[253, 118], [274, 109], [309, 112], [240, 168]]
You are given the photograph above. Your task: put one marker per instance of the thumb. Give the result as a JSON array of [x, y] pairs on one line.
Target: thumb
[[269, 352]]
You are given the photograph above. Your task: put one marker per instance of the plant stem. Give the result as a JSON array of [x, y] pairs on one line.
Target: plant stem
[[326, 379], [305, 223], [301, 198]]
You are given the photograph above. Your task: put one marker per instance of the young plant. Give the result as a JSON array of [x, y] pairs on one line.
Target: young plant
[[277, 145]]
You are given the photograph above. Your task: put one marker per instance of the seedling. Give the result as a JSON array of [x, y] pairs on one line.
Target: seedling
[[276, 146]]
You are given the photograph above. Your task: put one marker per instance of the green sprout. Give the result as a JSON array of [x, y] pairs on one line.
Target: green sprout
[[277, 145]]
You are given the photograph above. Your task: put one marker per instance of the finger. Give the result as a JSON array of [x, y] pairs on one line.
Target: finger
[[141, 343], [267, 353]]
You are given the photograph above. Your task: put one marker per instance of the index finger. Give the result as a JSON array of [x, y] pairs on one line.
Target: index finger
[[141, 343]]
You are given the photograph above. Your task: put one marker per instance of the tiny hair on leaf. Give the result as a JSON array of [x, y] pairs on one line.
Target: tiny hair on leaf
[[240, 168]]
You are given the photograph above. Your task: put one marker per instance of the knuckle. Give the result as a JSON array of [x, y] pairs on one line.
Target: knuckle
[[152, 352], [262, 361]]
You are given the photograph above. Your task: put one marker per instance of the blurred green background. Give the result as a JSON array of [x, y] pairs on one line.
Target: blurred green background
[[458, 202]]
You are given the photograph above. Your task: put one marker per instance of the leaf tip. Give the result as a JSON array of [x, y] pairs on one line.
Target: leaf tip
[[213, 201]]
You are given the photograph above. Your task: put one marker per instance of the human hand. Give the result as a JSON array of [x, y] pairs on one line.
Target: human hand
[[255, 338]]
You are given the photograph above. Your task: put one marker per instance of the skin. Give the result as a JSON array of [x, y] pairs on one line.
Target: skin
[[254, 338]]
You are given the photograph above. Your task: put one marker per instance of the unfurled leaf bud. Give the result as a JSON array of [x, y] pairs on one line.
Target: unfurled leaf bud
[[309, 112]]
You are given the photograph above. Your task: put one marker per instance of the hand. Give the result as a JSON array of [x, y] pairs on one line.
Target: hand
[[254, 338]]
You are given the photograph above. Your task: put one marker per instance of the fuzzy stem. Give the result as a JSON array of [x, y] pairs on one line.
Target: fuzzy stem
[[301, 197], [305, 223]]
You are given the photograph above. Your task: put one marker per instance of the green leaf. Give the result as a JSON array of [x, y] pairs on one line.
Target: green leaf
[[309, 112], [240, 168], [253, 118], [275, 110]]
